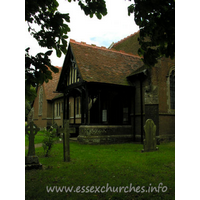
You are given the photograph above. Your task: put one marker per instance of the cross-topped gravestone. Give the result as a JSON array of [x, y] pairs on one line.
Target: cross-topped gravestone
[[31, 130], [150, 136], [66, 133], [31, 160]]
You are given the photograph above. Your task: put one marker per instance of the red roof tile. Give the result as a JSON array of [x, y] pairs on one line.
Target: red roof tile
[[129, 44], [99, 64], [50, 87]]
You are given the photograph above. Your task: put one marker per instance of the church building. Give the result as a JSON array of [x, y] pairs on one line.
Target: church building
[[107, 94]]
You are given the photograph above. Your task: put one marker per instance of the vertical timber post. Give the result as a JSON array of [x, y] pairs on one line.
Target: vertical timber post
[[141, 107], [68, 107], [99, 107], [66, 148], [74, 109], [86, 105], [64, 107], [134, 115], [82, 108]]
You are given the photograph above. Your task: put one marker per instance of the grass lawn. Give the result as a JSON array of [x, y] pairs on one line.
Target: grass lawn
[[118, 165]]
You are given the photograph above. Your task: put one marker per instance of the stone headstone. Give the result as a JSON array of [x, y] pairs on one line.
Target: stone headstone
[[31, 160], [150, 136]]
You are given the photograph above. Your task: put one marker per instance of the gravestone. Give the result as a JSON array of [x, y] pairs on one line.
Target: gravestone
[[150, 136], [66, 133], [31, 160]]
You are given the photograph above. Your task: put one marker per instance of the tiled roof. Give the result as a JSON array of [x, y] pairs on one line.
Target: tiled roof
[[50, 87], [99, 64], [129, 44], [140, 70]]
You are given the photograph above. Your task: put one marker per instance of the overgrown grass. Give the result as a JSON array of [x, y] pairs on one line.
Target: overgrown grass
[[96, 165]]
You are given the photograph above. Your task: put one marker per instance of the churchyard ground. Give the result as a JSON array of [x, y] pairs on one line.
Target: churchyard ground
[[117, 171]]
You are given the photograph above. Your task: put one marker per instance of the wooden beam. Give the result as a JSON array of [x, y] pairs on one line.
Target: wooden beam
[[100, 120], [129, 108], [66, 148], [141, 108], [82, 108], [134, 116], [67, 107], [86, 105], [74, 110], [71, 73], [64, 114]]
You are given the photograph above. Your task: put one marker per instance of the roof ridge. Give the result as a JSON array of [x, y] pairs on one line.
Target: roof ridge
[[122, 40], [103, 48]]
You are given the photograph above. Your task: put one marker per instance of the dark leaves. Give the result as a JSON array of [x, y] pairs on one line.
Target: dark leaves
[[48, 53], [130, 9], [52, 33], [156, 19], [58, 53], [38, 69], [53, 28], [91, 7]]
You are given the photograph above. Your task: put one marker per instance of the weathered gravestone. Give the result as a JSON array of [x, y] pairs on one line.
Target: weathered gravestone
[[31, 160], [150, 136], [66, 133]]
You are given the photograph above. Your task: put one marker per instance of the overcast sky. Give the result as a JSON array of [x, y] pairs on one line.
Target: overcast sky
[[113, 27]]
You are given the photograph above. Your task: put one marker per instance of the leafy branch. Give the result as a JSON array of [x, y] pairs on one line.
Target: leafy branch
[[52, 34], [156, 19]]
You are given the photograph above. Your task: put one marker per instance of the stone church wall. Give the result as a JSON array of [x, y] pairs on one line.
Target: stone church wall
[[105, 134]]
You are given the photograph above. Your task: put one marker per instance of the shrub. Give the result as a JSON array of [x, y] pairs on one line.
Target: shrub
[[49, 140]]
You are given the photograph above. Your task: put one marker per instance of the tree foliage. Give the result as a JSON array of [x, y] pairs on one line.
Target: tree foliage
[[29, 101], [51, 33], [91, 7], [156, 19]]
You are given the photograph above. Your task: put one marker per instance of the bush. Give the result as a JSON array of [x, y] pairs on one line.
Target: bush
[[49, 140]]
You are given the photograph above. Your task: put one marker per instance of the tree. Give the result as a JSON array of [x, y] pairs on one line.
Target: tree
[[29, 101], [156, 19], [52, 33]]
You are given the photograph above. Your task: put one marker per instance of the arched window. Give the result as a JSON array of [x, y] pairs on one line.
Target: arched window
[[172, 89], [40, 100]]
